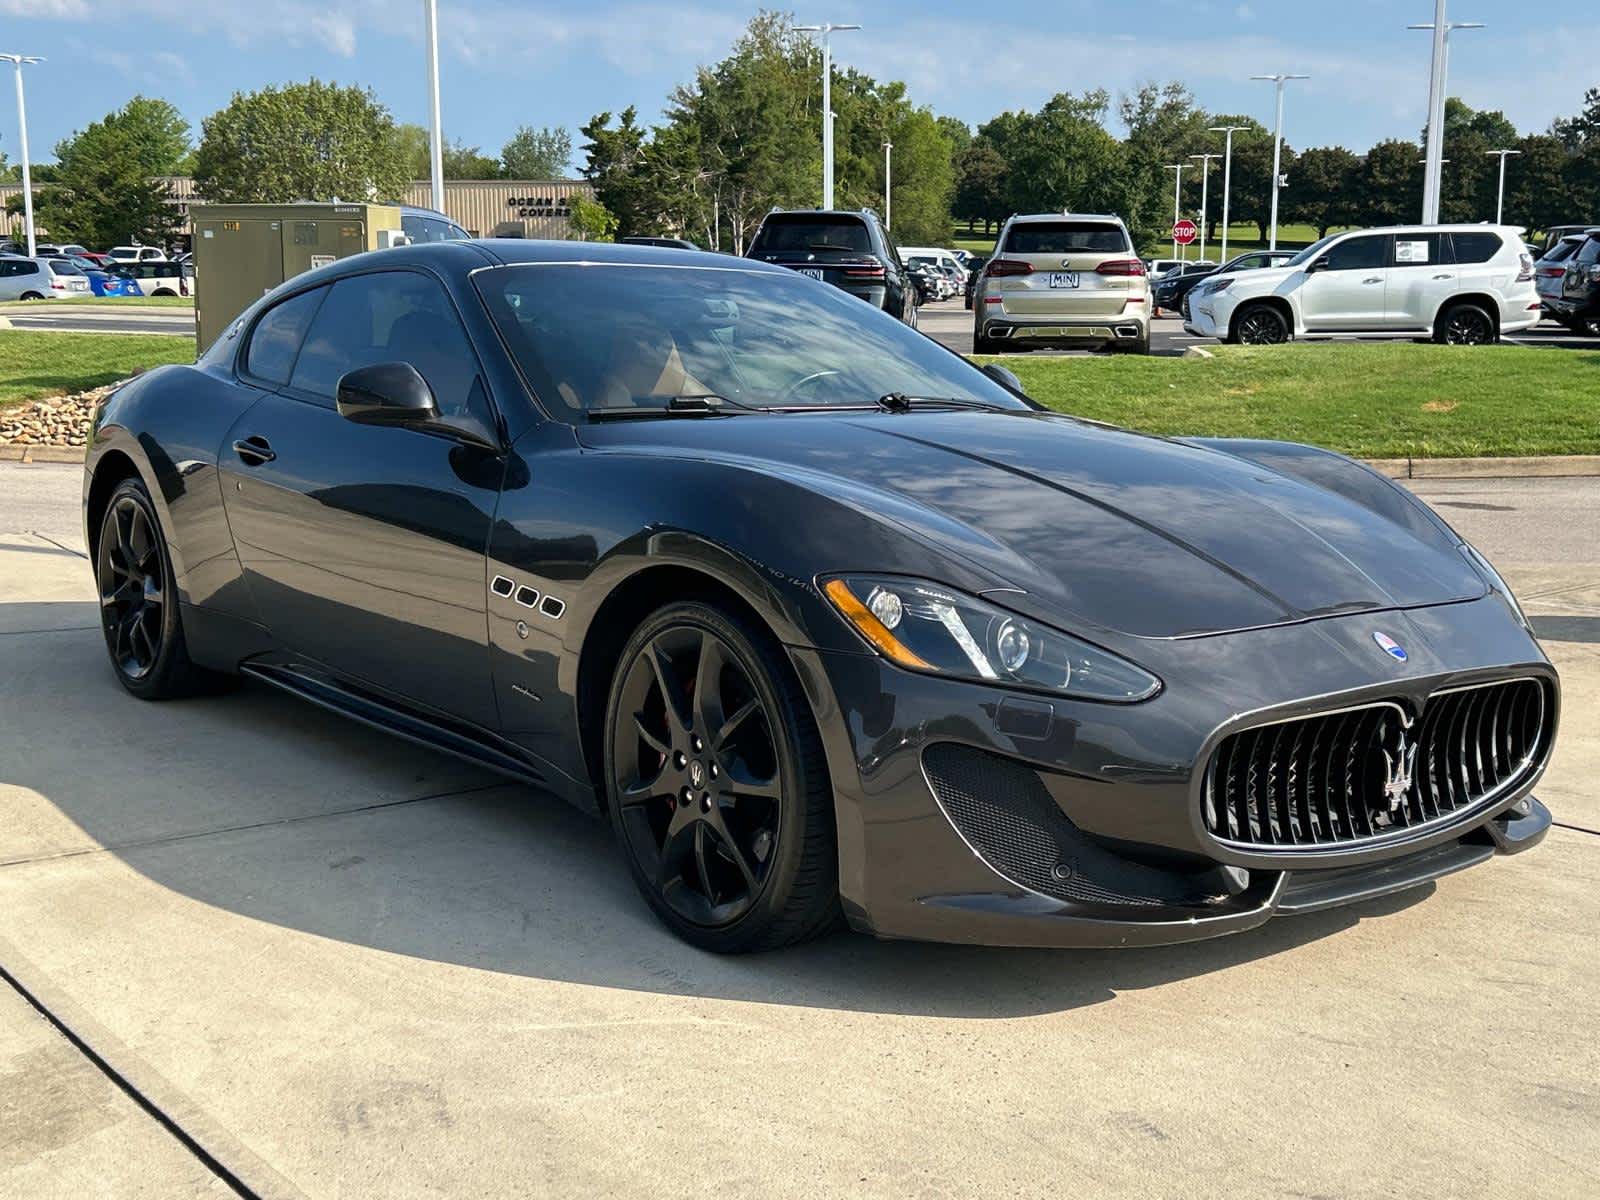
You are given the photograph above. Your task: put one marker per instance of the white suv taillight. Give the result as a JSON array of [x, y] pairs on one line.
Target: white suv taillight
[[1526, 273]]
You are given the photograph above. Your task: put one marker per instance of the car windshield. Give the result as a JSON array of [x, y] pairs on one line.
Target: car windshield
[[786, 234], [599, 337], [1065, 237], [1312, 251]]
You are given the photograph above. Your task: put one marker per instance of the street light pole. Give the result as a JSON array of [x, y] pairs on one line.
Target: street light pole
[[826, 30], [1177, 200], [1227, 178], [436, 135], [1277, 148], [1500, 193], [1438, 89], [18, 61], [888, 193], [1205, 182]]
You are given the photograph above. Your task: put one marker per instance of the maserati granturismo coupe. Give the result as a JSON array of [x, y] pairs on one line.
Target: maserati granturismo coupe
[[831, 625]]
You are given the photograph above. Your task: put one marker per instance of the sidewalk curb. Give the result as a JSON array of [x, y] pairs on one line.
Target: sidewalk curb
[[1537, 466]]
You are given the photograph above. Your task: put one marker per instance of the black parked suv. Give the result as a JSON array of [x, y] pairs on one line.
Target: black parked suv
[[1576, 303], [850, 250]]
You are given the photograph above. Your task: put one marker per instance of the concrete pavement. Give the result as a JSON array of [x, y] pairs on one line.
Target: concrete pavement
[[348, 967]]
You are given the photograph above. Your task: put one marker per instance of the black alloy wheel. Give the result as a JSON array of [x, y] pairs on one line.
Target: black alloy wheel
[[1262, 325], [138, 600], [716, 785], [1467, 325]]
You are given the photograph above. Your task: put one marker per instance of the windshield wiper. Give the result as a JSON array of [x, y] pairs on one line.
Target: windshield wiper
[[709, 405], [900, 402], [830, 246]]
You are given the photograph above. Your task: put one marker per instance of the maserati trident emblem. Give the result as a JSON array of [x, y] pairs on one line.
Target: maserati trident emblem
[[1397, 769], [1389, 646]]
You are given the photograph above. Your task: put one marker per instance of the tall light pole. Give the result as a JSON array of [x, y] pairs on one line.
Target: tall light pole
[[1438, 88], [826, 30], [18, 61], [1277, 149], [1177, 200], [888, 194], [436, 134], [1227, 178], [1500, 193], [1205, 181]]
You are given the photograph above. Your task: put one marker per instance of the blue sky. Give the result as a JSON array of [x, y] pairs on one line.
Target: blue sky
[[512, 61]]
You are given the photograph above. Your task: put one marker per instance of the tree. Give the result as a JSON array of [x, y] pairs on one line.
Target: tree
[[1538, 192], [1389, 185], [468, 162], [1252, 178], [537, 153], [980, 193], [1164, 126], [105, 191], [592, 221], [411, 146], [1322, 190], [956, 132], [1062, 158], [303, 141], [1583, 130]]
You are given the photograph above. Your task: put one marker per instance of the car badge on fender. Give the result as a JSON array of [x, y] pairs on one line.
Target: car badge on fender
[[1389, 646]]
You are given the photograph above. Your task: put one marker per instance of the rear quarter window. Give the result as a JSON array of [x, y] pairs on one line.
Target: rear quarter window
[[275, 340], [1476, 247]]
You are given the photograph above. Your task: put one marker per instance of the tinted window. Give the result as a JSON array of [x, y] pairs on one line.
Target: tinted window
[[61, 266], [1421, 249], [1563, 250], [799, 232], [606, 338], [276, 340], [1065, 237], [1476, 247], [1358, 254], [1590, 252], [393, 316]]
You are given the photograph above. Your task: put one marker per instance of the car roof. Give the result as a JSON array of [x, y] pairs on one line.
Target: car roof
[[1110, 218]]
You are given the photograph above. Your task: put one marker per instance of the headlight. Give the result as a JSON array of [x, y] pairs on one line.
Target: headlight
[[925, 627], [1220, 285], [1492, 577]]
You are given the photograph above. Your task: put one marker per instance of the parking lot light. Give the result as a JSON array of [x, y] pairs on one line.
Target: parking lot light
[[1277, 148], [1205, 179], [435, 132], [1227, 177], [1500, 192], [826, 29], [1438, 86], [19, 61], [888, 196], [1177, 201]]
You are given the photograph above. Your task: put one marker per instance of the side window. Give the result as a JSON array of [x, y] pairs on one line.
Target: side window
[[1590, 252], [1359, 254], [394, 316], [277, 336], [1476, 247], [1422, 250]]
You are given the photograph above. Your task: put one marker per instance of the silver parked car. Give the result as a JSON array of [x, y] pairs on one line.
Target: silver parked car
[[40, 279]]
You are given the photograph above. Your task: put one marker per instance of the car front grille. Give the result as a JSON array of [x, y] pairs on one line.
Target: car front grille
[[1362, 774], [1186, 300]]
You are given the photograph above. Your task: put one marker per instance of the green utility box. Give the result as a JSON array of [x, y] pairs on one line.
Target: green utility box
[[244, 250]]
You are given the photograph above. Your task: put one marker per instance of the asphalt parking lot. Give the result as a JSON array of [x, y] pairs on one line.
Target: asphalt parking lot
[[948, 323], [322, 962]]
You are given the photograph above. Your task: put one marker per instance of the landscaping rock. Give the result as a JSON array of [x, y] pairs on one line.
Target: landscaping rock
[[54, 421]]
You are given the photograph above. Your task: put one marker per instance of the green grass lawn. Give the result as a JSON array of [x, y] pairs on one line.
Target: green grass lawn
[[35, 364], [1375, 400], [103, 301]]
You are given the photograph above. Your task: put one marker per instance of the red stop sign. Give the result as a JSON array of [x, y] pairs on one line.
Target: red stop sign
[[1185, 231]]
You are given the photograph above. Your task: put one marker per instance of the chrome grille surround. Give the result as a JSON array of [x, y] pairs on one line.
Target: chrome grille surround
[[1366, 775]]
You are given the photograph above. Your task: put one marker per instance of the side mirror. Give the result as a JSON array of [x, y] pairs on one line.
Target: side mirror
[[1006, 379], [1315, 265], [386, 394]]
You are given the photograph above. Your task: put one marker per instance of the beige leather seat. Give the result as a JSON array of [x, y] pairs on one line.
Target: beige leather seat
[[643, 369]]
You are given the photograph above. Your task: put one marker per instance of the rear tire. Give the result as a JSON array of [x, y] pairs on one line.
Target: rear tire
[[139, 600], [716, 784], [32, 296], [1466, 324]]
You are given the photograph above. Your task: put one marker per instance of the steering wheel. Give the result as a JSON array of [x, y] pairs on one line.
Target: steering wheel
[[794, 387]]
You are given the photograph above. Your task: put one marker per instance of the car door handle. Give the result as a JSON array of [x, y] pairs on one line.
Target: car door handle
[[1444, 276], [254, 451], [1374, 279]]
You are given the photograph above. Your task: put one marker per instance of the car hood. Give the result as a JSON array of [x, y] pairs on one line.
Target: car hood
[[1140, 535]]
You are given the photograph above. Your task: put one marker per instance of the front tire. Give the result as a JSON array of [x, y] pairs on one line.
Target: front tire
[[1466, 324], [1260, 325], [716, 783], [139, 600]]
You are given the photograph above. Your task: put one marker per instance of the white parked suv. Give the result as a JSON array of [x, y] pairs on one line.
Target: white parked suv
[[1462, 284], [131, 254]]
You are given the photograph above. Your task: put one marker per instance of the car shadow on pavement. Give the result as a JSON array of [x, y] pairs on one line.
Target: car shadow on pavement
[[260, 805]]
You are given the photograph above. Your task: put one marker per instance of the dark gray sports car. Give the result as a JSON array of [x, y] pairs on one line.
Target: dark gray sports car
[[829, 624]]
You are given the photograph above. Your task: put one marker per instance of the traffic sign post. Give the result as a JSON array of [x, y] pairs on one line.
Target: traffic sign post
[[1184, 232]]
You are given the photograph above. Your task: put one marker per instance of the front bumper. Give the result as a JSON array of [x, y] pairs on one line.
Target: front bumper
[[1111, 852]]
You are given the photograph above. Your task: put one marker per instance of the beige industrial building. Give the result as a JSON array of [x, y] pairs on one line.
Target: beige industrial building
[[532, 208]]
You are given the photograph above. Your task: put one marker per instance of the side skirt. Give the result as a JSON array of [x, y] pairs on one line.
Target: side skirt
[[460, 739]]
